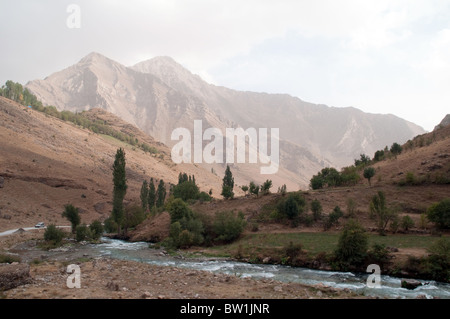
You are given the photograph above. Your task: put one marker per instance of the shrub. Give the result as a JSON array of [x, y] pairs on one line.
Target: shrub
[[185, 239], [134, 215], [406, 223], [292, 251], [379, 255], [265, 188], [83, 233], [178, 210], [352, 245], [186, 190], [292, 206], [439, 213], [110, 226], [333, 218], [228, 226], [96, 229], [8, 259], [369, 172], [380, 212], [72, 214], [53, 234], [316, 208]]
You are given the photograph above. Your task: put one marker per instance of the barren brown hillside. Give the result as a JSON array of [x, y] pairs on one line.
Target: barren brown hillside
[[46, 163], [427, 157]]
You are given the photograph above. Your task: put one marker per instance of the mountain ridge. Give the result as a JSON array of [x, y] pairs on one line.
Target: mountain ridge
[[159, 95]]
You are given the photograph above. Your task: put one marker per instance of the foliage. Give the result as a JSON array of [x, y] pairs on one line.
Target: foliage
[[333, 218], [83, 233], [120, 187], [144, 195], [292, 206], [254, 189], [186, 190], [53, 234], [406, 223], [363, 160], [265, 188], [439, 213], [160, 194], [282, 190], [228, 184], [228, 226], [352, 245], [379, 255], [244, 189], [378, 156], [96, 229], [151, 196], [395, 149], [317, 210], [380, 212], [178, 210], [110, 226], [133, 216], [369, 172], [73, 215]]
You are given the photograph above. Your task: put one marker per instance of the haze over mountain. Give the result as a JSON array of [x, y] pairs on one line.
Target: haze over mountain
[[159, 95]]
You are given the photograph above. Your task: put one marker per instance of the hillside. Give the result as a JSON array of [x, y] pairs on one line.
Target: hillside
[[427, 156], [159, 95], [46, 163]]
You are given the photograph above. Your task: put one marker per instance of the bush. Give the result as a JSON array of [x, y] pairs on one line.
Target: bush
[[96, 229], [292, 251], [186, 190], [110, 226], [83, 233], [352, 246], [72, 214], [316, 208], [265, 188], [333, 218], [379, 255], [292, 206], [134, 215], [228, 226], [8, 259], [178, 210], [53, 234], [439, 213], [406, 223]]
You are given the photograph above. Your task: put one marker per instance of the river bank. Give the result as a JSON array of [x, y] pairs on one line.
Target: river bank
[[105, 277], [135, 271]]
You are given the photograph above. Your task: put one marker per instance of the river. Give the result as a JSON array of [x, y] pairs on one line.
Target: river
[[390, 286]]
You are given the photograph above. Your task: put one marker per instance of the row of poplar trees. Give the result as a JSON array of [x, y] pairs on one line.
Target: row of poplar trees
[[153, 197]]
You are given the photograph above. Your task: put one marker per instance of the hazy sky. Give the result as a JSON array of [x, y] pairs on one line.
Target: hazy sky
[[379, 56]]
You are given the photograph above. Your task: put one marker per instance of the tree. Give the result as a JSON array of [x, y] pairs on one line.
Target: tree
[[227, 226], [186, 190], [245, 189], [439, 213], [316, 208], [369, 172], [265, 188], [406, 223], [396, 149], [120, 187], [363, 160], [352, 245], [144, 195], [161, 194], [151, 195], [380, 212], [378, 156], [228, 184], [253, 188], [72, 214], [96, 228], [53, 234]]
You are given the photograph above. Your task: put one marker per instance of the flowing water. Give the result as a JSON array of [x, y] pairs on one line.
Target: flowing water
[[390, 286]]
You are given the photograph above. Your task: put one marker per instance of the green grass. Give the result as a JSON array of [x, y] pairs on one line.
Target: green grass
[[313, 243]]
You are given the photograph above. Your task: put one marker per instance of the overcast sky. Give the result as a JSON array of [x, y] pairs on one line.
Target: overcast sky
[[379, 56]]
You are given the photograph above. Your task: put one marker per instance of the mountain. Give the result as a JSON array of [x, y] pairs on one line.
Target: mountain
[[159, 95], [46, 163], [445, 122]]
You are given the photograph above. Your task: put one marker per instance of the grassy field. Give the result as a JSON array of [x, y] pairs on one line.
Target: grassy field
[[313, 243]]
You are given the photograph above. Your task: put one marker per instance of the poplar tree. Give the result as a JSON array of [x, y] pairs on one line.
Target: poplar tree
[[228, 184], [120, 187], [144, 195], [151, 195]]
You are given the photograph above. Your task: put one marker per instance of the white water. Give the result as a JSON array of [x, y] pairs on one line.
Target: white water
[[390, 286]]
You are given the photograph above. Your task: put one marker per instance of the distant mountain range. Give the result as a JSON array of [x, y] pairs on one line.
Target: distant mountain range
[[159, 95]]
